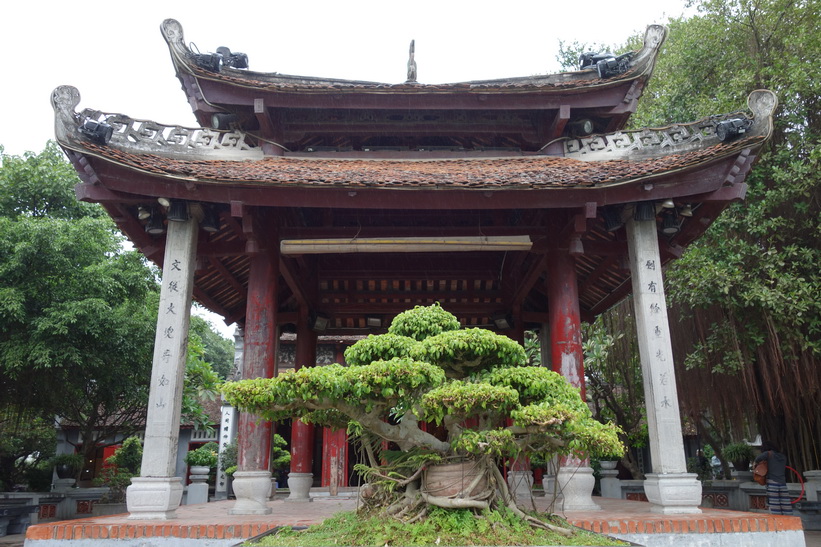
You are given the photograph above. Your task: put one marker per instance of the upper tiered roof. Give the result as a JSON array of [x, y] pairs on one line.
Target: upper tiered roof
[[372, 229], [298, 113]]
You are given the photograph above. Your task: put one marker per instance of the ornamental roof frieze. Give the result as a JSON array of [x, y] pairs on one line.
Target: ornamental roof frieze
[[207, 155]]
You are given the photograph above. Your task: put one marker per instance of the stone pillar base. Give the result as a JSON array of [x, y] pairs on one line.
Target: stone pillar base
[[252, 489], [300, 486], [673, 493], [154, 498], [576, 489], [521, 486]]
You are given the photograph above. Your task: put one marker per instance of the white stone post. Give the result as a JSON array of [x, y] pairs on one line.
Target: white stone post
[[669, 487], [156, 493], [228, 419]]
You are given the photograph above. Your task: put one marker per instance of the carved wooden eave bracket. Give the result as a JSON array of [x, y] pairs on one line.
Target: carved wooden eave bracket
[[143, 136]]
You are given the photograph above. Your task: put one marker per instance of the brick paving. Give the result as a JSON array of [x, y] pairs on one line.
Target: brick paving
[[212, 521]]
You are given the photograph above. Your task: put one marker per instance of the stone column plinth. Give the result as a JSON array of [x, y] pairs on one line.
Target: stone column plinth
[[300, 486], [154, 498], [252, 488], [575, 484], [673, 493]]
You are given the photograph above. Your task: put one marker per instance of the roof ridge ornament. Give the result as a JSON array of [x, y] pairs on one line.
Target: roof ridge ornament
[[411, 64]]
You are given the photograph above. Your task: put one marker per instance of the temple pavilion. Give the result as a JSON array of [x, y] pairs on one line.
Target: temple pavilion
[[310, 206]]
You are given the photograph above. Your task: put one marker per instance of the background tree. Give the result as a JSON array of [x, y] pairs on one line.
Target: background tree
[[749, 292], [217, 350], [613, 378], [77, 316]]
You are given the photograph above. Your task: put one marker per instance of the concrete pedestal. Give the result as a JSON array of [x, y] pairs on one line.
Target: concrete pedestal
[[154, 498], [198, 489], [673, 493], [252, 489], [300, 486], [576, 489], [610, 484]]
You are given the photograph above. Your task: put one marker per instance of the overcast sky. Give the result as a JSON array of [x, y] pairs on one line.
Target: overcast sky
[[113, 52]]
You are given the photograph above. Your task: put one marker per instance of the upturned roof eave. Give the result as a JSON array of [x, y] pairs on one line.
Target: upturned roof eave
[[228, 159], [641, 67]]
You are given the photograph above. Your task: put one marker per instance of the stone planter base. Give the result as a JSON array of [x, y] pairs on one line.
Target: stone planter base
[[299, 485], [252, 489]]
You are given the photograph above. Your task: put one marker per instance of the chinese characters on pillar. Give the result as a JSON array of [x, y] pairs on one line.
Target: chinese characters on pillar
[[654, 300]]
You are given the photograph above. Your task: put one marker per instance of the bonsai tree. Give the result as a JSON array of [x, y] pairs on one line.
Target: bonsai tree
[[472, 382], [205, 456], [119, 469]]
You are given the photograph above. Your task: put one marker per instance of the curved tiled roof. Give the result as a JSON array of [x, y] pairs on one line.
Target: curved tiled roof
[[531, 172], [641, 65]]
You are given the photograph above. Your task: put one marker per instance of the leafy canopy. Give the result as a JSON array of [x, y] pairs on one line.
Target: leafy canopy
[[427, 369]]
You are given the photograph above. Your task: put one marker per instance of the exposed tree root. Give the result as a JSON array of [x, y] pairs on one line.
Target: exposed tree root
[[411, 505]]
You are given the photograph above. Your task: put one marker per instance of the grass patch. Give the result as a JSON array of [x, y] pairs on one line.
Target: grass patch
[[441, 527]]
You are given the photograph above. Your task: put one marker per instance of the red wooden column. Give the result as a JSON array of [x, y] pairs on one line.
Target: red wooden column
[[300, 478], [259, 360], [335, 448], [575, 477], [566, 356]]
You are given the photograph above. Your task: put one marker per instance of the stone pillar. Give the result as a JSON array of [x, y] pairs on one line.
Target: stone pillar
[[252, 481], [669, 487], [228, 418], [575, 477], [157, 493], [301, 477]]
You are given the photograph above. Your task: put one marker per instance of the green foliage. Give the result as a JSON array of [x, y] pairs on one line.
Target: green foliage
[[280, 458], [374, 348], [442, 527], [738, 452], [463, 400], [119, 469], [461, 352], [129, 456], [41, 186], [73, 461], [422, 322], [217, 351], [749, 290], [25, 441], [201, 384], [547, 411], [207, 455]]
